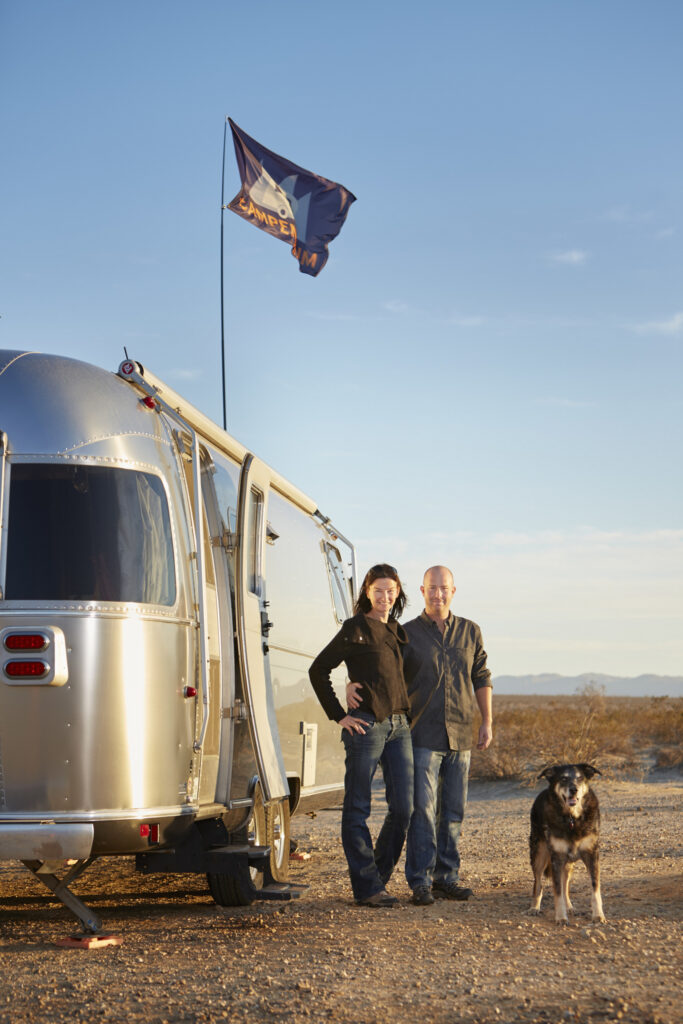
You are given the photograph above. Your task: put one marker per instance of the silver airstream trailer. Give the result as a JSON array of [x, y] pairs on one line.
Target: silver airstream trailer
[[162, 593]]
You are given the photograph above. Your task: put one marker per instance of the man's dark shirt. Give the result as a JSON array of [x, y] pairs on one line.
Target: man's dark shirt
[[371, 651], [442, 672]]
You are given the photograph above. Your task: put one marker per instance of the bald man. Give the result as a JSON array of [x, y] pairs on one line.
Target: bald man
[[445, 669]]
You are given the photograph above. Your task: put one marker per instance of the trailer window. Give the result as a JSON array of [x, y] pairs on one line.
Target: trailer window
[[254, 534], [338, 584], [88, 533]]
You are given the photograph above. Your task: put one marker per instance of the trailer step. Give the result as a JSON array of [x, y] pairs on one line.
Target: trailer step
[[255, 853], [280, 891], [193, 860]]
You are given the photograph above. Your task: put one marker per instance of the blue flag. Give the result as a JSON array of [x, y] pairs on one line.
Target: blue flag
[[279, 197]]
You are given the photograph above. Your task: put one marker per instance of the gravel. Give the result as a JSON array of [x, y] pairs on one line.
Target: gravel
[[321, 958]]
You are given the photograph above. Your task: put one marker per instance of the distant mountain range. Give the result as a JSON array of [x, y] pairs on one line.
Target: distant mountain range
[[615, 686]]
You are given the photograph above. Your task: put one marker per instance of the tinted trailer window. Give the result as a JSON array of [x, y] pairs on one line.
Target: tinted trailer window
[[88, 533]]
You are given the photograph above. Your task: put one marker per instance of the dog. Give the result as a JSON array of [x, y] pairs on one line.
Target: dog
[[565, 826]]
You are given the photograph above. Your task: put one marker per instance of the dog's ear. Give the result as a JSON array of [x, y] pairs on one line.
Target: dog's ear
[[548, 773], [589, 770]]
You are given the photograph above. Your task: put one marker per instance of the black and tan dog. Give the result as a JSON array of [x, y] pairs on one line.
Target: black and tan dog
[[565, 826]]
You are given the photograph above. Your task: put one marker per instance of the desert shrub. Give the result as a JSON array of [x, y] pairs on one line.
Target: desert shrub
[[616, 734], [668, 757]]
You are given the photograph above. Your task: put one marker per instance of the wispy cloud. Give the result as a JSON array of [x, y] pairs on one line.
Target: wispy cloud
[[555, 600], [320, 315], [458, 320], [143, 261], [564, 403], [396, 306], [674, 325], [625, 214], [571, 257], [629, 217], [185, 373]]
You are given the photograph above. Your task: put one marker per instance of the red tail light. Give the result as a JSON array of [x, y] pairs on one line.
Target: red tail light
[[150, 833], [26, 669], [25, 642]]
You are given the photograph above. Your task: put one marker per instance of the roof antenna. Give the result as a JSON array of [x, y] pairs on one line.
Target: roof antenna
[[125, 352]]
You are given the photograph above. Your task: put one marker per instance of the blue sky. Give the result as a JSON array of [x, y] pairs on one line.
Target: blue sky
[[487, 373]]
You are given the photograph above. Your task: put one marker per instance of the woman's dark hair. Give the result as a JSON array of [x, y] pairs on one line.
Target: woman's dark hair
[[380, 572]]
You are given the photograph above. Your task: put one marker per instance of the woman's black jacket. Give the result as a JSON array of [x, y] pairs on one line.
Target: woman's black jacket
[[371, 651]]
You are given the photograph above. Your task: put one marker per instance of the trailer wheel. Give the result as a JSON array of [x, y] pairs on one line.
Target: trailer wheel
[[234, 890], [278, 831]]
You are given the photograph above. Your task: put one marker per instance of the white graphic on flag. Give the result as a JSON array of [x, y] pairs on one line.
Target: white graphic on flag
[[267, 193], [299, 206]]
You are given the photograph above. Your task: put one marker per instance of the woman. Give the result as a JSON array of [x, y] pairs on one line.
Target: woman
[[376, 733]]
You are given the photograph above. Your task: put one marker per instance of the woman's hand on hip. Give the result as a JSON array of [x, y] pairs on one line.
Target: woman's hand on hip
[[351, 724], [353, 699]]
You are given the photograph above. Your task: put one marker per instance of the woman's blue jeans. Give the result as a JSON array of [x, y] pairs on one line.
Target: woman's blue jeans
[[441, 779], [387, 743]]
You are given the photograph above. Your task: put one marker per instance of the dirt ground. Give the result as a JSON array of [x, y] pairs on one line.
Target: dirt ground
[[321, 958]]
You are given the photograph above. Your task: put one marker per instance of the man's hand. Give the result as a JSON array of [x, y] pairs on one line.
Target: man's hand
[[353, 695], [484, 697], [351, 724], [485, 736]]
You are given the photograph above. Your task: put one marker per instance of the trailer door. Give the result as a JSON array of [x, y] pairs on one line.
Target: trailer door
[[253, 626]]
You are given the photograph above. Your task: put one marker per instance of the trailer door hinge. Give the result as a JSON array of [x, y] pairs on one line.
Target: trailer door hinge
[[227, 540], [238, 712]]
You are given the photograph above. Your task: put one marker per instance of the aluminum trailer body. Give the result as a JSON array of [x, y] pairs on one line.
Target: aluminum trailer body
[[162, 594]]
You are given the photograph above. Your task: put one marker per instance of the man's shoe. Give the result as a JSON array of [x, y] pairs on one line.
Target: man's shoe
[[451, 891], [422, 896], [378, 899]]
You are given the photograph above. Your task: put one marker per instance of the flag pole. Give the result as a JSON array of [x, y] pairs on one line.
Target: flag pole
[[225, 417]]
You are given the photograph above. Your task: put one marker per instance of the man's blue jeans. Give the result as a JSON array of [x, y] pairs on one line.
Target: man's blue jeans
[[387, 743], [441, 778]]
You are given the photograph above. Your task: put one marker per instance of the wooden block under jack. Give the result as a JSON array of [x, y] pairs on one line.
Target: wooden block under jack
[[89, 941]]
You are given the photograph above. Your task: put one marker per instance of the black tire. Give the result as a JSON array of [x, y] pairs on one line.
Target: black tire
[[278, 831], [235, 890]]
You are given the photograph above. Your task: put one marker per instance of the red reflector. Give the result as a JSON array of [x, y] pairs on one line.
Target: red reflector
[[26, 669], [190, 691], [144, 831], [25, 642], [154, 834], [149, 402]]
